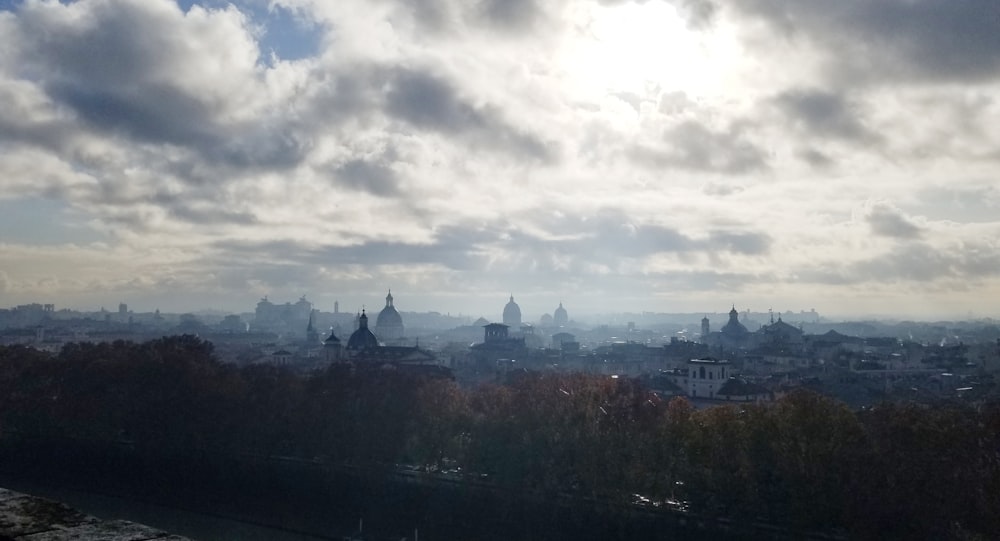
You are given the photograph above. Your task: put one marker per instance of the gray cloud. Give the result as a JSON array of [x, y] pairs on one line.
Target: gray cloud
[[24, 122], [432, 15], [103, 67], [708, 280], [888, 221], [507, 17], [510, 14], [749, 243], [824, 114], [154, 113], [276, 274], [962, 200], [612, 232], [815, 158], [199, 211], [430, 102], [893, 40], [697, 12], [913, 262], [604, 238], [451, 249], [116, 69], [693, 146], [720, 190], [672, 103], [261, 147], [374, 177]]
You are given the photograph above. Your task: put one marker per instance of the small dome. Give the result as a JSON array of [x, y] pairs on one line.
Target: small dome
[[733, 326], [363, 338]]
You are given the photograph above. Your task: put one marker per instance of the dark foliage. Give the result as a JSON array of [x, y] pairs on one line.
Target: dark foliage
[[805, 461]]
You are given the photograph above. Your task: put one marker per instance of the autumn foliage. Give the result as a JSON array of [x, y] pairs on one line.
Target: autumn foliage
[[805, 461]]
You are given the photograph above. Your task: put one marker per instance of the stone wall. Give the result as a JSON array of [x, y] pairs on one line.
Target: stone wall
[[27, 518]]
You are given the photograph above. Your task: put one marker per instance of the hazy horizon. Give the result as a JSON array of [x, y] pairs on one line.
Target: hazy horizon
[[531, 309], [616, 155]]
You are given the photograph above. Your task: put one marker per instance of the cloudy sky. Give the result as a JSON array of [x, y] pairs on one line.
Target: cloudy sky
[[655, 155]]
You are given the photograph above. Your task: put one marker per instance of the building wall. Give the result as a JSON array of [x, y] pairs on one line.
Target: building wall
[[705, 377]]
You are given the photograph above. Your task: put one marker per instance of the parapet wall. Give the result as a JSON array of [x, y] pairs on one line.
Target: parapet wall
[[29, 518]]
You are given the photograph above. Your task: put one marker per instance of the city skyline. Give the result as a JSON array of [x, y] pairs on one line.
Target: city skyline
[[661, 156], [534, 314]]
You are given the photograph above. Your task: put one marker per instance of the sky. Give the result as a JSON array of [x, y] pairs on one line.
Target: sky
[[613, 155]]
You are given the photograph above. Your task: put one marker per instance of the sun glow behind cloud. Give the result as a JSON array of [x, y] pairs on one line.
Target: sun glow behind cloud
[[644, 48]]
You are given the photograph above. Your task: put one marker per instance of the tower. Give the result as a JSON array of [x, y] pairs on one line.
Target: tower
[[332, 347], [312, 336]]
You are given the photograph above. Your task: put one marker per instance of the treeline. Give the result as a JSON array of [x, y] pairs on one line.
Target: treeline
[[806, 461]]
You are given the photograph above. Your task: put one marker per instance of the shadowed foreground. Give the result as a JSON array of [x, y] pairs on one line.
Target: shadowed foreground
[[28, 518]]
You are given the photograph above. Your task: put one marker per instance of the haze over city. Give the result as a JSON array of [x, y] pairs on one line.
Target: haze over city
[[669, 156]]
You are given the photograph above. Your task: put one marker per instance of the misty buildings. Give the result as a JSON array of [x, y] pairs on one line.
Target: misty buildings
[[286, 317], [364, 349], [497, 345], [733, 335], [781, 334]]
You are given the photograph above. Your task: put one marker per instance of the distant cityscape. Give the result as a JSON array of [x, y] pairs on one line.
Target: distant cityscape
[[729, 355]]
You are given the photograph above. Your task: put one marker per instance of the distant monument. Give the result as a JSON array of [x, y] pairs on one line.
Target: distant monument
[[389, 324], [560, 318], [512, 314]]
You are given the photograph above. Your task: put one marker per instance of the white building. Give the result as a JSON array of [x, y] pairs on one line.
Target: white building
[[706, 376]]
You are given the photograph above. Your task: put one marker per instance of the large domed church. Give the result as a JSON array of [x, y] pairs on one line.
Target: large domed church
[[389, 324], [560, 318], [365, 348], [512, 314]]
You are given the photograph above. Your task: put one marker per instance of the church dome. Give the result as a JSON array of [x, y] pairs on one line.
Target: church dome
[[560, 317], [389, 324], [388, 315], [512, 314], [733, 326], [362, 338]]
